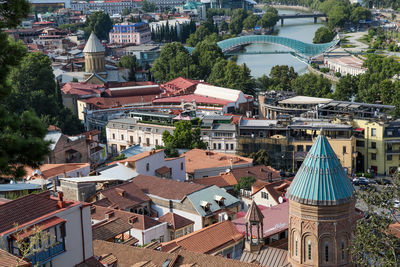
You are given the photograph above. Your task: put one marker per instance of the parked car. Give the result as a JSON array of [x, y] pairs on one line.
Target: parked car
[[383, 181], [360, 181], [396, 203]]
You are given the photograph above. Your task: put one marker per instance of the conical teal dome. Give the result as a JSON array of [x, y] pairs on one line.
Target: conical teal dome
[[321, 180]]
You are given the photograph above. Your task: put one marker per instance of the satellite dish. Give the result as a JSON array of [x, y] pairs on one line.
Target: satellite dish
[[227, 170], [280, 200]]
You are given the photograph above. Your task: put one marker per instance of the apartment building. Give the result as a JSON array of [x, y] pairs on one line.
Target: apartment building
[[123, 133], [219, 133], [64, 226], [377, 146], [130, 33]]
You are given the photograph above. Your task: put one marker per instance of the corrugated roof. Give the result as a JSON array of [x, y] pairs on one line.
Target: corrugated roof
[[271, 257], [93, 45], [217, 92], [321, 179], [304, 100]]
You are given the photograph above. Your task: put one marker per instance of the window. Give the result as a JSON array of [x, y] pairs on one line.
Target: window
[[122, 137], [296, 246], [389, 157], [373, 131], [300, 148], [162, 238], [147, 166], [232, 147], [360, 143], [389, 132], [131, 139], [140, 139], [182, 166], [326, 252], [309, 250], [308, 148], [373, 156], [156, 142], [373, 144], [113, 136], [147, 141], [226, 146], [122, 148], [264, 195], [219, 145], [344, 149], [342, 250], [215, 146], [171, 205]]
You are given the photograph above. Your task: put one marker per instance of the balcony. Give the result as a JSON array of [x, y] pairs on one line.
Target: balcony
[[392, 152], [47, 254]]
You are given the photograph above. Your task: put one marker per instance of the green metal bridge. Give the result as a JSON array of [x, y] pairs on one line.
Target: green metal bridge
[[301, 49]]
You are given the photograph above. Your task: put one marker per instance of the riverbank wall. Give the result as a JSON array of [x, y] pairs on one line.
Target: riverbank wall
[[333, 79]]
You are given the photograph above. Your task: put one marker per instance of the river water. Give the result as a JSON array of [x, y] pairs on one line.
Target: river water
[[302, 29]]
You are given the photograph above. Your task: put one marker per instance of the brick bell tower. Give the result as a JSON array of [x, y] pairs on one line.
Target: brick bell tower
[[321, 210]]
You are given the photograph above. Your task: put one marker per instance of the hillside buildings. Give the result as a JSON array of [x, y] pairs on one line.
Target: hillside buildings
[[129, 33], [108, 6]]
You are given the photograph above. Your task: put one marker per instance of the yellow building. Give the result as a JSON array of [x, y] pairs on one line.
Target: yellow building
[[377, 146]]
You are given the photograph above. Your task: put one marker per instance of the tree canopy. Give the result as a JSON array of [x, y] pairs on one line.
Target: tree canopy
[[269, 19], [312, 85], [260, 157], [130, 62], [21, 135], [323, 35], [186, 135], [148, 6], [244, 183], [100, 23]]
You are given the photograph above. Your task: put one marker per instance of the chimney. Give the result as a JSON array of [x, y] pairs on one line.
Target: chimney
[[109, 214], [60, 202], [54, 185], [230, 160]]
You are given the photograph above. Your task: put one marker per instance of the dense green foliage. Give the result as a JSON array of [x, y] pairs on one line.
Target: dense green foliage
[[130, 62], [227, 73], [34, 87], [283, 78], [237, 18], [148, 6], [169, 33], [21, 134], [100, 23], [260, 157], [269, 19], [186, 135], [244, 183], [250, 22], [373, 244], [323, 35]]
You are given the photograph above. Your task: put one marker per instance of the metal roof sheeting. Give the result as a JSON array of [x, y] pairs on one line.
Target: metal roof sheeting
[[321, 179], [93, 45]]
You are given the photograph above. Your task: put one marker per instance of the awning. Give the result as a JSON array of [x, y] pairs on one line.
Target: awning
[[359, 129]]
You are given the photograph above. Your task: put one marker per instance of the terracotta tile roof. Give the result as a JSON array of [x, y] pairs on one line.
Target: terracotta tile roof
[[110, 229], [51, 170], [91, 262], [131, 256], [200, 100], [222, 180], [210, 159], [175, 221], [165, 188], [53, 128], [138, 156], [179, 85], [395, 229], [112, 102], [276, 219], [276, 189], [260, 172], [163, 170], [8, 259], [124, 196], [82, 88], [91, 133], [141, 222], [27, 209], [207, 240]]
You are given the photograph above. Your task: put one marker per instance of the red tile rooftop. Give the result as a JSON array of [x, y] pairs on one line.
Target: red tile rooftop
[[74, 88], [112, 102], [175, 221], [276, 219], [190, 98]]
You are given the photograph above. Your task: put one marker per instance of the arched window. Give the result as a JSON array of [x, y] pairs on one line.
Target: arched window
[[309, 250], [326, 251], [296, 246]]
